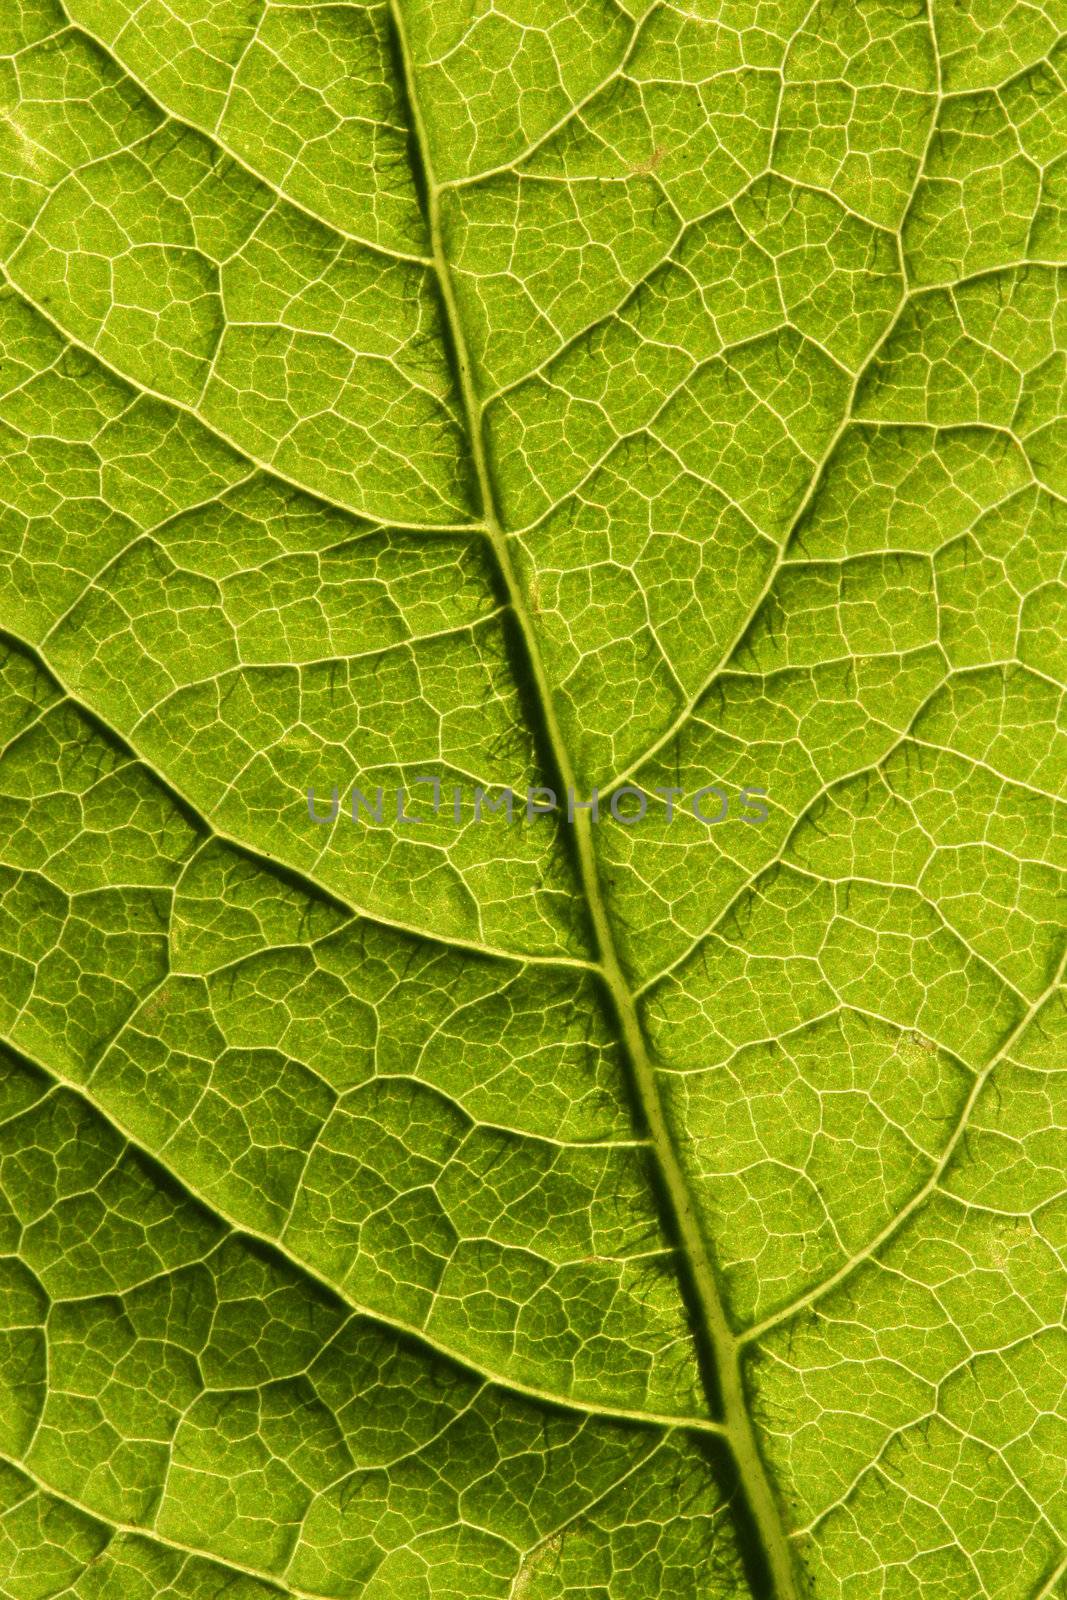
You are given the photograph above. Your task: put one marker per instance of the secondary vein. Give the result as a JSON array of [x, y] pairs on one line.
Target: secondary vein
[[277, 1247]]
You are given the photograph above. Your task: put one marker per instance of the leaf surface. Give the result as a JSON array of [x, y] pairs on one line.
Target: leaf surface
[[580, 395]]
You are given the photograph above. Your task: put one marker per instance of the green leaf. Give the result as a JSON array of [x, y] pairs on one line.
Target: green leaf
[[540, 395]]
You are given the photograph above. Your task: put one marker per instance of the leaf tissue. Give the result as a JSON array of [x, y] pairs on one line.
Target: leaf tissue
[[657, 405]]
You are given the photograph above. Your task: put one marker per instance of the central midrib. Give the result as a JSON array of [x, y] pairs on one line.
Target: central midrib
[[720, 1349]]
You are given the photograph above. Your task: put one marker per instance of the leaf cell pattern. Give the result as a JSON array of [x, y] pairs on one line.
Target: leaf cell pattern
[[538, 392]]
